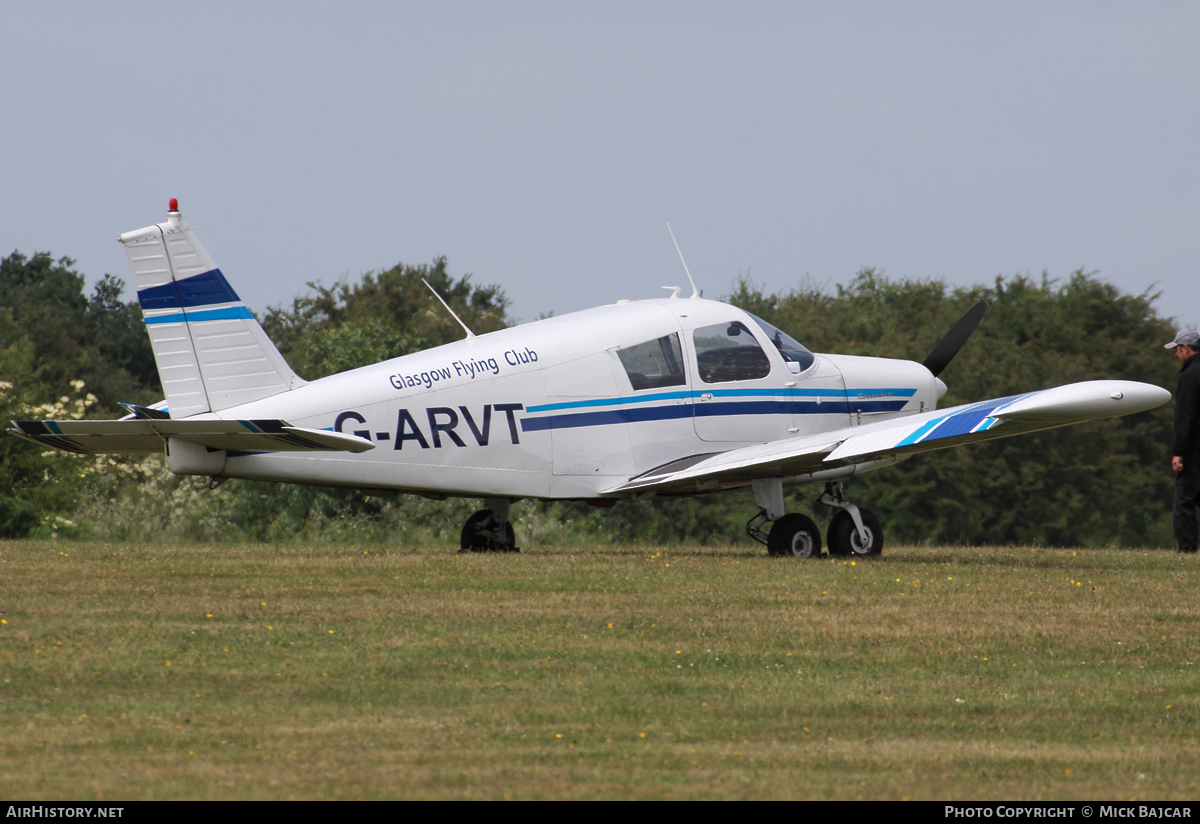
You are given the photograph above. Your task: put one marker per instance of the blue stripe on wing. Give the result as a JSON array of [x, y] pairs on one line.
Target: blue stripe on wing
[[975, 418]]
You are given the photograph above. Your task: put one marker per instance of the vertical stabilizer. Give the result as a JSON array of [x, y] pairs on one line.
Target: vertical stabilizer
[[211, 352]]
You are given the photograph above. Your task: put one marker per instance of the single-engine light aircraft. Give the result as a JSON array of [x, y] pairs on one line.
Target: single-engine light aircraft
[[646, 399]]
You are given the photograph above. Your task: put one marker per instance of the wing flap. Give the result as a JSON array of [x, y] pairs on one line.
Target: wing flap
[[133, 436], [738, 467]]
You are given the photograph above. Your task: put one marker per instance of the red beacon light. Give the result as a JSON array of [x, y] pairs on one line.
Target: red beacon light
[[173, 205]]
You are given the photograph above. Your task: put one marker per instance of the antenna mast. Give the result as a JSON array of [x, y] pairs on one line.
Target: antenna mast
[[695, 291], [470, 334]]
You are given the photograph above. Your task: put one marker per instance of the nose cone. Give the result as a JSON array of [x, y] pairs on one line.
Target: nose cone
[[942, 389]]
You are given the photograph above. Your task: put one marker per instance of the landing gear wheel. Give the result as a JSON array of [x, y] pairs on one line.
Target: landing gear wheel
[[845, 540], [481, 533], [796, 536], [831, 534]]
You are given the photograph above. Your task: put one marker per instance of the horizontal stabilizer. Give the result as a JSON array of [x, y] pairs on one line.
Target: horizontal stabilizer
[[103, 437]]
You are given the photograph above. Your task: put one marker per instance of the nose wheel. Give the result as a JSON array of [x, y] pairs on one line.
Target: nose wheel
[[845, 538], [852, 531]]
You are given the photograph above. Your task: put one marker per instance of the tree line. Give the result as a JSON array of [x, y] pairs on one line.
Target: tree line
[[64, 352]]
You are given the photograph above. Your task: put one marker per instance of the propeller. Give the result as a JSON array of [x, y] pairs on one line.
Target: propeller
[[949, 345]]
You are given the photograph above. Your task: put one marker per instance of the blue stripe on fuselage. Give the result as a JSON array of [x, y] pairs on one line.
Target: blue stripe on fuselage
[[866, 396], [703, 410], [601, 418]]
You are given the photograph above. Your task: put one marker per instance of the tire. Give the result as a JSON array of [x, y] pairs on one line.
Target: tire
[[844, 538], [794, 536], [472, 541], [831, 534]]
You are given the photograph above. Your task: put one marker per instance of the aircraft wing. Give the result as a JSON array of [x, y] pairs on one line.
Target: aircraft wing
[[99, 437], [899, 437]]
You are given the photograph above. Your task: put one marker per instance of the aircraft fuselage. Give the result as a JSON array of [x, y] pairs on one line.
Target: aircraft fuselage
[[549, 409]]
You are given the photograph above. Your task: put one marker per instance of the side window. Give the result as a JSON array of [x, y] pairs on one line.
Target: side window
[[728, 352], [655, 363]]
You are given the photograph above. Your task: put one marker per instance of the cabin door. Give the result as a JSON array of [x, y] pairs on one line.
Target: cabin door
[[739, 394]]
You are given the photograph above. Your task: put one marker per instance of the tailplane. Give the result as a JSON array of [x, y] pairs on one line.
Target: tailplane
[[210, 351]]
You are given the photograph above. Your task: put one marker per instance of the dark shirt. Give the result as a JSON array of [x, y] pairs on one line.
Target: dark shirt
[[1187, 409]]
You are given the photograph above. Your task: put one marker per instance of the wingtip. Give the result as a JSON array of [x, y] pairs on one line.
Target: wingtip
[[1089, 400]]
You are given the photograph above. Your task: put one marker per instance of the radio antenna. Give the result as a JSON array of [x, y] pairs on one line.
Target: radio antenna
[[695, 291], [470, 334]]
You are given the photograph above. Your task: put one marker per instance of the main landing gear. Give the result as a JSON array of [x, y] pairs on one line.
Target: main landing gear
[[852, 531], [489, 530]]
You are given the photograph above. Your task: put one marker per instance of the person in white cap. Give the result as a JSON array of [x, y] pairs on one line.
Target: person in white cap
[[1185, 452]]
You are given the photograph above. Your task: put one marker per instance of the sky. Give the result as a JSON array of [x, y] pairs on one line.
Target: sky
[[544, 146]]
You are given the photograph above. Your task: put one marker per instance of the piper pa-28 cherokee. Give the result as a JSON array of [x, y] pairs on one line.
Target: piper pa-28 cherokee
[[649, 399]]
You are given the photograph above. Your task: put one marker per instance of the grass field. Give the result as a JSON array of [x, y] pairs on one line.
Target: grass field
[[133, 671]]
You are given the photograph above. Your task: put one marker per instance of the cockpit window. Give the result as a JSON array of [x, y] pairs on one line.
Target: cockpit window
[[797, 357], [729, 352], [655, 363]]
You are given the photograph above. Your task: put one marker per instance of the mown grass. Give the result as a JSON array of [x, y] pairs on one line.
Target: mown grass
[[133, 671]]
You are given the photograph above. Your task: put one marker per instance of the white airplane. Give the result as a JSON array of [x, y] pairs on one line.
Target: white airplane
[[654, 398]]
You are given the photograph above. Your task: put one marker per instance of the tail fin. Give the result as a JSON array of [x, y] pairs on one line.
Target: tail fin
[[211, 352]]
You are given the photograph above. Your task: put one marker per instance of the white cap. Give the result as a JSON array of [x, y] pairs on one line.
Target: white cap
[[1185, 337]]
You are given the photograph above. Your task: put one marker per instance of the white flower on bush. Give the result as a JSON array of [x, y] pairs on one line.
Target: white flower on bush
[[65, 407]]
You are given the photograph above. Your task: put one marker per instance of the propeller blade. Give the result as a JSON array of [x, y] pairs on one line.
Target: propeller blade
[[949, 345]]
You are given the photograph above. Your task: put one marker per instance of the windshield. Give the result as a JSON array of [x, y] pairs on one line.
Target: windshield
[[797, 357]]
